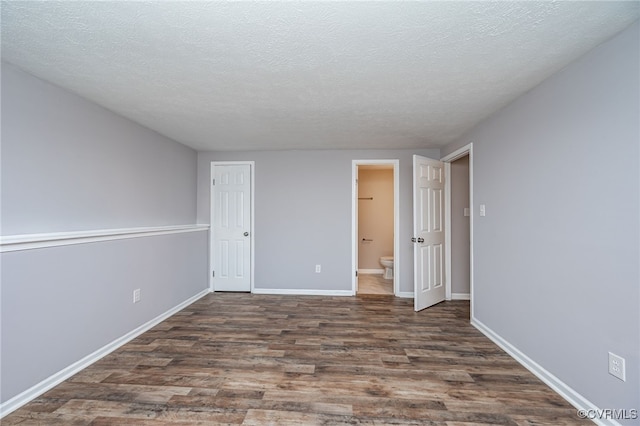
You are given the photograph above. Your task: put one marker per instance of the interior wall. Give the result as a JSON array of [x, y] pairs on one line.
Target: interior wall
[[68, 165], [303, 214], [556, 256], [375, 217], [460, 227], [60, 304]]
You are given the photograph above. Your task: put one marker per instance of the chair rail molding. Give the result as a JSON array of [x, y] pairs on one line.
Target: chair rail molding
[[35, 241]]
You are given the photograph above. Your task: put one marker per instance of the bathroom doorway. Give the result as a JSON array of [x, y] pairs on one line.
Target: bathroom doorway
[[375, 227]]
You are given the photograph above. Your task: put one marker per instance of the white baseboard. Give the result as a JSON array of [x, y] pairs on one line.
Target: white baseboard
[[302, 292], [62, 375], [371, 271], [561, 388], [460, 296], [405, 294]]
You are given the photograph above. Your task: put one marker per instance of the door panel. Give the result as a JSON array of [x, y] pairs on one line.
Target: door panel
[[429, 235], [231, 228]]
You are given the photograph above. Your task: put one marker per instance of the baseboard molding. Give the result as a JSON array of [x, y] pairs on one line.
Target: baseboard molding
[[301, 292], [405, 294], [561, 388], [460, 296], [371, 271], [21, 399]]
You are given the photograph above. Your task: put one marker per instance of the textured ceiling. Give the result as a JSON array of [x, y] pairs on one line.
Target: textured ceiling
[[304, 75]]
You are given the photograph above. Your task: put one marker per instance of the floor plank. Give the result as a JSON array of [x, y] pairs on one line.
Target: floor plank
[[262, 359]]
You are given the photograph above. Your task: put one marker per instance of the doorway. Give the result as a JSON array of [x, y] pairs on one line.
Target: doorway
[[452, 259], [430, 236], [375, 212], [460, 242]]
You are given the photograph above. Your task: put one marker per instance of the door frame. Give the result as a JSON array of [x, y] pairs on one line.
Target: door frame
[[252, 168], [447, 160], [396, 220]]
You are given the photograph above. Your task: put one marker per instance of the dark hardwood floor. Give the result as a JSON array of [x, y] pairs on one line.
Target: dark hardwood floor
[[304, 360]]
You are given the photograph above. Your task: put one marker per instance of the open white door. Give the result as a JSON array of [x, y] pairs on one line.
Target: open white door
[[231, 227], [428, 231]]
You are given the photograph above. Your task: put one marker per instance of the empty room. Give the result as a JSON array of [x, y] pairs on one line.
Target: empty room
[[314, 212]]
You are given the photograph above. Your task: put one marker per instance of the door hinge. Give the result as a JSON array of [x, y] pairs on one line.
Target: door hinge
[[356, 273], [213, 274], [214, 182]]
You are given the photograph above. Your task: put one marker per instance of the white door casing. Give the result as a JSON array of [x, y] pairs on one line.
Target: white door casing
[[356, 245], [231, 227], [429, 235]]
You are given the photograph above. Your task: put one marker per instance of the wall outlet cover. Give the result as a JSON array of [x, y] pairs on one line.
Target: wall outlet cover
[[616, 366]]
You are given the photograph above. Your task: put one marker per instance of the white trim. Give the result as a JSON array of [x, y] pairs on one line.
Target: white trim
[[447, 229], [447, 159], [302, 292], [252, 166], [458, 153], [405, 294], [396, 220], [371, 271], [561, 388], [33, 392], [56, 239], [460, 296]]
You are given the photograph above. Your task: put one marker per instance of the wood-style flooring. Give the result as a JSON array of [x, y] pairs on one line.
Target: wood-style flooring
[[374, 284], [304, 360]]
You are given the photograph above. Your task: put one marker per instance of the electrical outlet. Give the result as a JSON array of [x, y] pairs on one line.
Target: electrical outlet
[[136, 295], [318, 269], [616, 366]]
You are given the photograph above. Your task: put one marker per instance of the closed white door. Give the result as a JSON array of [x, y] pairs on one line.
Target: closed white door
[[231, 227], [356, 245], [429, 235]]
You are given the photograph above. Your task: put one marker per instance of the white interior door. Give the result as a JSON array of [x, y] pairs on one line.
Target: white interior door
[[429, 235], [356, 245], [231, 227]]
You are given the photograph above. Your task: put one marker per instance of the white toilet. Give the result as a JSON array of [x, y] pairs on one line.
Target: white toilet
[[387, 262]]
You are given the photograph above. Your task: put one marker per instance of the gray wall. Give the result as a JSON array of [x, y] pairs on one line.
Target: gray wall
[[68, 164], [61, 304], [460, 257], [556, 257], [303, 214]]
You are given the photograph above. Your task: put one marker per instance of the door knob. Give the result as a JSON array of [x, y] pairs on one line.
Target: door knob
[[421, 240], [246, 234], [413, 240]]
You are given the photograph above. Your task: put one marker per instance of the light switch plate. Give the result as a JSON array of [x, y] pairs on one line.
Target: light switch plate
[[483, 210]]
